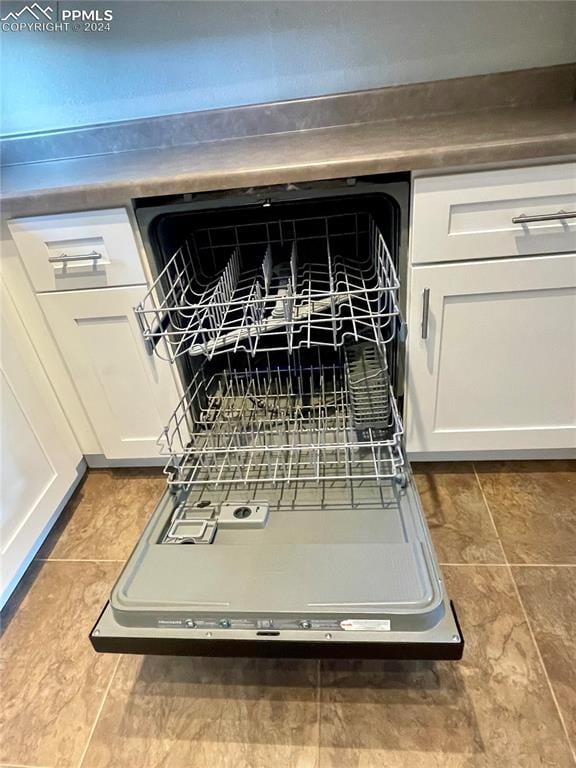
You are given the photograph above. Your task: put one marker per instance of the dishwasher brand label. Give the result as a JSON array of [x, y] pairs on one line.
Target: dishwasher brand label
[[370, 625]]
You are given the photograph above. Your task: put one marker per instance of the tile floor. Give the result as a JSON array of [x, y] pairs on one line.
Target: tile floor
[[506, 536]]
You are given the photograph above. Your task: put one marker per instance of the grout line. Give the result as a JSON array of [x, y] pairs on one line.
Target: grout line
[[75, 560], [100, 708], [473, 565], [511, 565], [530, 630], [542, 565], [490, 515], [550, 686]]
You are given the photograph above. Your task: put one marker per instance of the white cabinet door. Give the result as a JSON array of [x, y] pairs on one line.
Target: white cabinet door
[[128, 394], [40, 459], [497, 370]]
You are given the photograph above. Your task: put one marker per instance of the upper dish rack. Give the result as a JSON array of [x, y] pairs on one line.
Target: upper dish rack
[[275, 286]]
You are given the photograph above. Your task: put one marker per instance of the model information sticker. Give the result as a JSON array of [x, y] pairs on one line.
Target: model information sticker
[[370, 625]]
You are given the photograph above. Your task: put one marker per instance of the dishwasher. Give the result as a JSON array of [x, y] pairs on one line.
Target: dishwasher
[[290, 526]]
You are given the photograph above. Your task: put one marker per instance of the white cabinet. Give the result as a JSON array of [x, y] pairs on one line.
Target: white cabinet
[[40, 459], [127, 393], [494, 214], [86, 272], [496, 370]]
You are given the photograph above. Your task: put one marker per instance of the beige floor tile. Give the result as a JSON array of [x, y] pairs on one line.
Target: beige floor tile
[[106, 515], [534, 508], [52, 682], [459, 521], [549, 596], [491, 709], [181, 713]]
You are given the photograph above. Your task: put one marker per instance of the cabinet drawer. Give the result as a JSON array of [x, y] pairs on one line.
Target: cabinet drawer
[[491, 214], [71, 251]]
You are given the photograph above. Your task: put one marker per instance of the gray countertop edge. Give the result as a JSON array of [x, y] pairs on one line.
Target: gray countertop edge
[[111, 193]]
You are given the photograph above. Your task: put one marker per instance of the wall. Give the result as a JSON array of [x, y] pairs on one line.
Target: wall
[[165, 57]]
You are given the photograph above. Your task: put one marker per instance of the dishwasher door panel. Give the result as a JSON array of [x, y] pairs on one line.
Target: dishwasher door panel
[[346, 569], [444, 642]]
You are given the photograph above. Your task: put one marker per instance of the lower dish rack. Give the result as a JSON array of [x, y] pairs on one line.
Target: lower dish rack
[[275, 423]]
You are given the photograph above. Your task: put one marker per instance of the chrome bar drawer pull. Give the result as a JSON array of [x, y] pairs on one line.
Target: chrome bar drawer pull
[[559, 216], [425, 311], [64, 258]]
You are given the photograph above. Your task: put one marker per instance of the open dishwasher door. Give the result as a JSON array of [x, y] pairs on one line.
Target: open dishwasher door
[[339, 572], [291, 526]]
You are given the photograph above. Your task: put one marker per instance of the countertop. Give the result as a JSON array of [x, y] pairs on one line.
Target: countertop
[[460, 139]]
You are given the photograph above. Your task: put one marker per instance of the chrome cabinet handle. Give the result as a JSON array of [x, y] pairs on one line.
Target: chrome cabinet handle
[[559, 216], [425, 312], [65, 258]]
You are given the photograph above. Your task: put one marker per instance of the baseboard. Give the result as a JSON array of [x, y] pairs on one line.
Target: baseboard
[[525, 455], [99, 461]]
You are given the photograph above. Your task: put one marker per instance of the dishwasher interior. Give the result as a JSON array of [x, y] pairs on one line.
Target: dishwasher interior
[[291, 525]]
